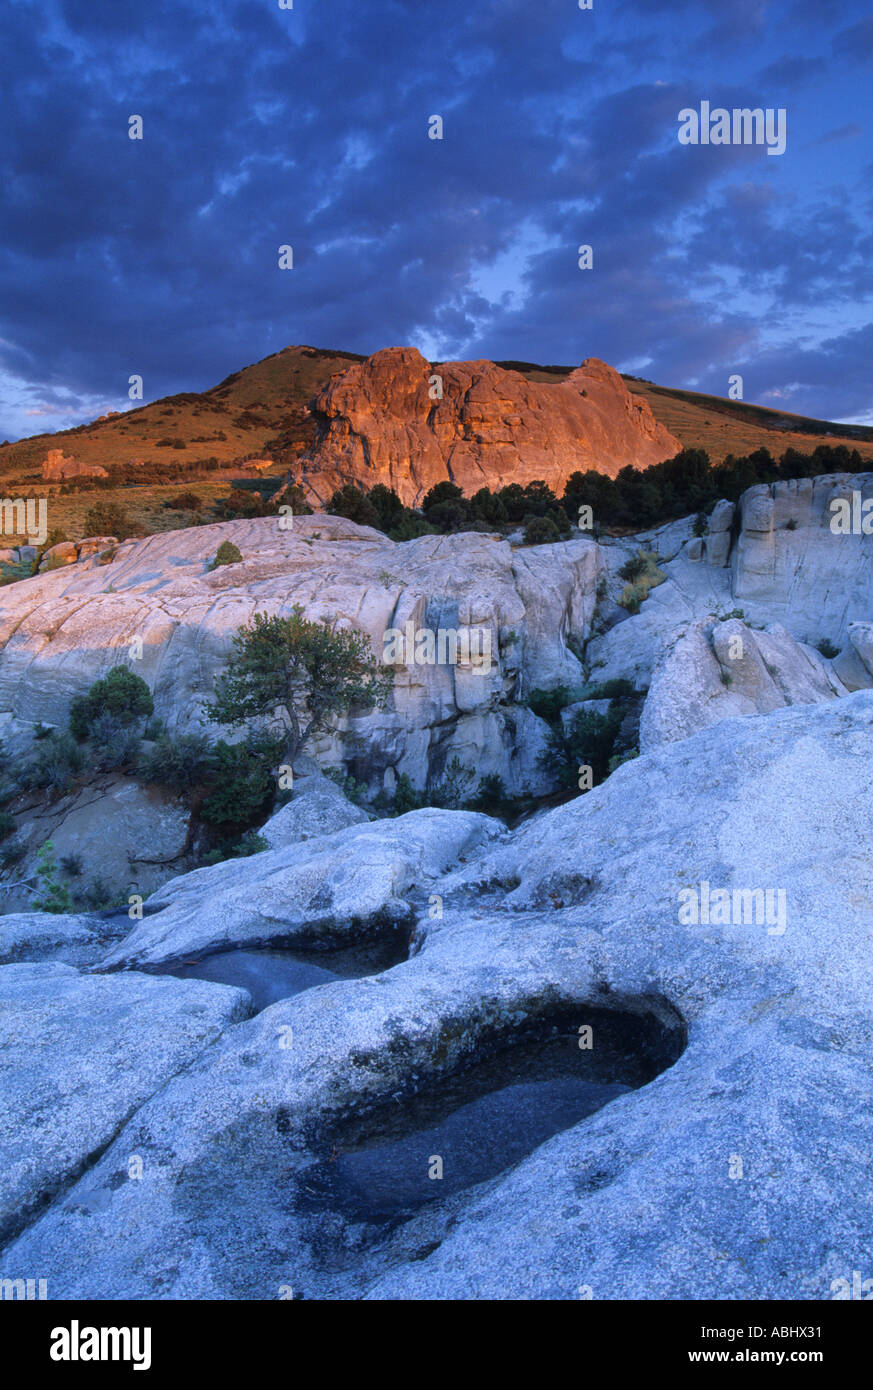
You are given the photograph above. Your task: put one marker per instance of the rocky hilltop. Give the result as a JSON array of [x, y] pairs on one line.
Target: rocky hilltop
[[394, 419]]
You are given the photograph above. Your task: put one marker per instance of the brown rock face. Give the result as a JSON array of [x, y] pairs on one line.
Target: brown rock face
[[378, 423], [58, 466]]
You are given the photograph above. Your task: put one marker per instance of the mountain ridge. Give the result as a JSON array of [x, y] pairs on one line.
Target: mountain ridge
[[259, 389], [255, 427]]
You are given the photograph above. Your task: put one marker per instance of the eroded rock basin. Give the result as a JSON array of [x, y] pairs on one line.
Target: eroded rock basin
[[473, 1125], [272, 973]]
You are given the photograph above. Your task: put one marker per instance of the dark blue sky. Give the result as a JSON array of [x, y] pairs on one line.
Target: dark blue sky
[[309, 127]]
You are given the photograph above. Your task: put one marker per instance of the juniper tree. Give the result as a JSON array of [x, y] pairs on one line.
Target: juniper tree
[[306, 674]]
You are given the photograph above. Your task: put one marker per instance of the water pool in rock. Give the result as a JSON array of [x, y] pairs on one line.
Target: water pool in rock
[[484, 1118], [271, 973]]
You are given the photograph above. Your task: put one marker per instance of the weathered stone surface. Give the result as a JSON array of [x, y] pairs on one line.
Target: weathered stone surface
[[78, 1055], [94, 545], [644, 1198], [632, 648], [62, 630], [317, 808], [861, 638], [717, 545], [713, 671], [801, 675], [687, 691], [789, 565], [129, 836], [721, 518], [64, 553], [335, 888], [665, 541], [743, 669], [797, 573], [379, 424], [757, 510], [849, 666], [71, 938]]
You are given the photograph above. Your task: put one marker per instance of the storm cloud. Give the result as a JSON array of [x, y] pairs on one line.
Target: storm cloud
[[309, 127]]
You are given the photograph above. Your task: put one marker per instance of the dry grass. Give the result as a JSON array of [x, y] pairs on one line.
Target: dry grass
[[724, 427], [144, 505]]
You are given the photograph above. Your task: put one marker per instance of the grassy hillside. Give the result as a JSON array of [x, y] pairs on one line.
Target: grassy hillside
[[198, 442], [723, 427], [231, 420]]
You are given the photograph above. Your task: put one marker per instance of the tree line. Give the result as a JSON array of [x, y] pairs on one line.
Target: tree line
[[635, 499]]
